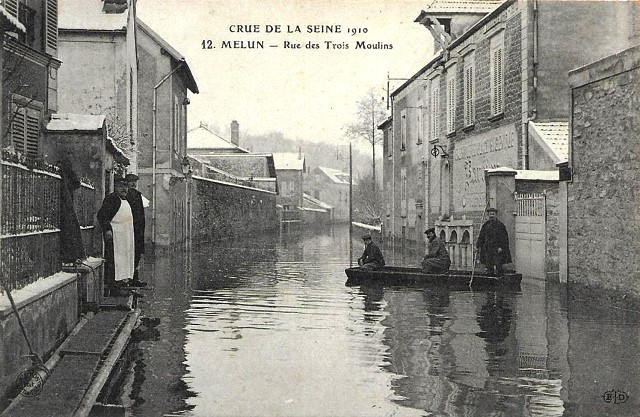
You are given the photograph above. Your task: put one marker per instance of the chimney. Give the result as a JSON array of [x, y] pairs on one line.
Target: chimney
[[235, 133], [299, 152]]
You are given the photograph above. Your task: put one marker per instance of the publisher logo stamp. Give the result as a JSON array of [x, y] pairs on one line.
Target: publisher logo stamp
[[615, 397], [31, 381]]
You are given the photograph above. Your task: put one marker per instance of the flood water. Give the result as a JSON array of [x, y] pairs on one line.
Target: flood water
[[267, 327]]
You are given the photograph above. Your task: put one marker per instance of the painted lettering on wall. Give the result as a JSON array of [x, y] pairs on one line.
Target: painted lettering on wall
[[472, 156]]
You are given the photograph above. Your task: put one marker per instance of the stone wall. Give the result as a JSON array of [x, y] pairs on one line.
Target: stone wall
[[221, 210], [603, 205]]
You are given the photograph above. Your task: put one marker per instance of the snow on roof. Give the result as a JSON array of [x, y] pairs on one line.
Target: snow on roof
[[335, 175], [88, 15], [10, 21], [203, 138], [553, 137], [289, 160], [538, 175], [315, 201], [69, 121], [461, 6]]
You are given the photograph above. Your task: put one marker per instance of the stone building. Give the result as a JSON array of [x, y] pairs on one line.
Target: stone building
[[494, 96], [97, 43], [331, 186], [164, 81], [601, 214]]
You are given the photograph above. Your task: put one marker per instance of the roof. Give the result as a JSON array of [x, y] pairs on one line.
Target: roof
[[88, 15], [553, 137], [335, 175], [241, 164], [461, 6], [307, 198], [202, 137], [191, 82], [68, 122], [289, 160], [9, 21]]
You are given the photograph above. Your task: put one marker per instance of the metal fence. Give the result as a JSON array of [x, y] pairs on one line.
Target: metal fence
[[29, 227]]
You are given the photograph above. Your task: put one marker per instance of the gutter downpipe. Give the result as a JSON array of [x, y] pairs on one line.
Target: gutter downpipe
[[154, 149], [533, 100]]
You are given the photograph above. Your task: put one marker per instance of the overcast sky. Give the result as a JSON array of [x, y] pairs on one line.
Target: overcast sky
[[303, 93]]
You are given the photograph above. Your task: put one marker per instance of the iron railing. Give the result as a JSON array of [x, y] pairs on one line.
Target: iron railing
[[29, 226]]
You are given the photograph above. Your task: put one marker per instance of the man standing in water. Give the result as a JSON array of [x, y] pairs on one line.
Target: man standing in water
[[134, 197], [116, 220], [493, 244], [371, 258]]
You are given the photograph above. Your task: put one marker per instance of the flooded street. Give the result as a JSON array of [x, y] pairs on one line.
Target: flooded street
[[266, 327]]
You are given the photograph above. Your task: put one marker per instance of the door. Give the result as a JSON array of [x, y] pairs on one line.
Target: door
[[531, 234]]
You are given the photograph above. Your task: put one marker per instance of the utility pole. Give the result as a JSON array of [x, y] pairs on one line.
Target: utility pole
[[373, 141], [350, 208]]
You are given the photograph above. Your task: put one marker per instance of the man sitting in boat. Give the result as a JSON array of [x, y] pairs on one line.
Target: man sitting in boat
[[371, 258], [437, 258]]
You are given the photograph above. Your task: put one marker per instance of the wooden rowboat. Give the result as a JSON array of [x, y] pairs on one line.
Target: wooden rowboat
[[453, 279]]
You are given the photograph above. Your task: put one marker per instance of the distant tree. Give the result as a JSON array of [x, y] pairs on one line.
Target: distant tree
[[367, 202], [370, 114]]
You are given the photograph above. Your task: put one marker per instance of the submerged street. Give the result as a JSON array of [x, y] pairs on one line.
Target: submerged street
[[266, 327]]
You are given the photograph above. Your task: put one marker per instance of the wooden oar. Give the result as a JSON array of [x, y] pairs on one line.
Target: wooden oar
[[475, 252]]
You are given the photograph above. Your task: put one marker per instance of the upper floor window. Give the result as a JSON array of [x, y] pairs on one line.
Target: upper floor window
[[497, 74], [435, 108], [419, 132], [403, 129], [451, 101], [469, 90], [40, 19]]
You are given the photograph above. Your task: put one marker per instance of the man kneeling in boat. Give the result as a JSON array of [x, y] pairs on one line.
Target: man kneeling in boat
[[371, 258], [437, 258]]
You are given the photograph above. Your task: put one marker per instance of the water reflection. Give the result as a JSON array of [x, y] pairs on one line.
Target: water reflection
[[266, 327]]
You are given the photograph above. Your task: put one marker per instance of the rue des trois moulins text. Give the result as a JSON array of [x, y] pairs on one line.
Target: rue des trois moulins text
[[338, 37]]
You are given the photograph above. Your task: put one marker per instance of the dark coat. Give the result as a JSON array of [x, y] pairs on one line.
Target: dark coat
[[71, 247], [109, 208], [437, 257], [493, 235], [372, 254], [134, 197]]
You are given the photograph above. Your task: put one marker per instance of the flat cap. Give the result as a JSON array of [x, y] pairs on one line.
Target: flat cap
[[431, 229]]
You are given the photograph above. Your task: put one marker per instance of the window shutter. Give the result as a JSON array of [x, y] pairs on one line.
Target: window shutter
[[18, 128], [11, 6], [25, 130], [451, 104], [469, 110], [435, 110], [52, 26], [497, 81]]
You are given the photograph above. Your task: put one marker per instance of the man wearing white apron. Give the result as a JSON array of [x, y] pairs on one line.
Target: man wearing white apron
[[116, 221]]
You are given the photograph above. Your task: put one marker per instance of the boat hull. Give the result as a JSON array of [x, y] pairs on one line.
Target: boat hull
[[453, 279]]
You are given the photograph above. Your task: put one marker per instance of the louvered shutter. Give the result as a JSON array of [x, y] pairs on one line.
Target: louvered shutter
[[497, 81], [25, 130], [52, 26], [451, 104], [11, 6], [469, 109]]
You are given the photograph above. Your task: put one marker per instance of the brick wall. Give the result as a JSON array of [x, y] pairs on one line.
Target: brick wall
[[226, 211], [603, 206]]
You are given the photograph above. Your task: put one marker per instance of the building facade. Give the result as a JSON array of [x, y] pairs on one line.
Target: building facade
[[486, 101], [330, 186], [162, 90]]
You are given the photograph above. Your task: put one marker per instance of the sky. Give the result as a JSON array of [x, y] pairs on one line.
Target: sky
[[308, 94]]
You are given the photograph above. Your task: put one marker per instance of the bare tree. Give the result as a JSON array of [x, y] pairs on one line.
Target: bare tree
[[367, 202], [371, 113]]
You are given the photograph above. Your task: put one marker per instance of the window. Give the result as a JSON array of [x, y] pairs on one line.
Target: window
[[40, 22], [435, 108], [403, 192], [27, 16], [419, 132], [25, 127], [176, 125], [451, 101], [469, 91], [403, 129], [497, 74]]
